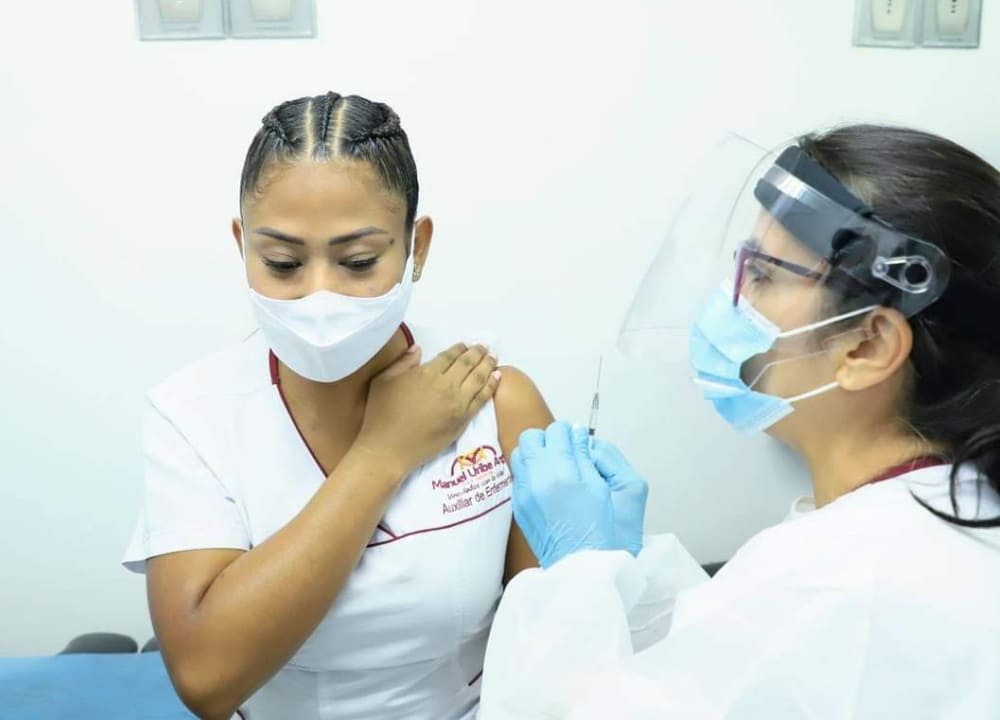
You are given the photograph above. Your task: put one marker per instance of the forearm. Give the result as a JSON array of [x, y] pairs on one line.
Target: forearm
[[266, 603], [558, 631], [555, 631], [669, 569]]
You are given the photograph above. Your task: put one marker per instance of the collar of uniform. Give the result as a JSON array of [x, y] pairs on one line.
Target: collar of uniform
[[805, 504]]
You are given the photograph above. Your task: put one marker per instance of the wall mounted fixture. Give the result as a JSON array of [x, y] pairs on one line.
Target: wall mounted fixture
[[272, 18], [180, 19]]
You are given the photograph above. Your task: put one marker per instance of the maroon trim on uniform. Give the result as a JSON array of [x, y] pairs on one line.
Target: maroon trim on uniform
[[440, 527], [920, 463], [407, 334], [272, 361], [284, 401]]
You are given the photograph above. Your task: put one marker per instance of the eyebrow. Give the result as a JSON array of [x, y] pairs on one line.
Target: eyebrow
[[335, 240]]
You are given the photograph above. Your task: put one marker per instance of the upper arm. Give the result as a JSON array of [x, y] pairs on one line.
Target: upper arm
[[186, 506], [190, 530], [175, 585], [519, 407]]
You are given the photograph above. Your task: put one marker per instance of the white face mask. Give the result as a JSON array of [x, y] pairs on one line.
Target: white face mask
[[326, 336]]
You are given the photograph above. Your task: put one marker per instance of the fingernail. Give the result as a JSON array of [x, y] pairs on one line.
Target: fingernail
[[413, 348], [497, 374]]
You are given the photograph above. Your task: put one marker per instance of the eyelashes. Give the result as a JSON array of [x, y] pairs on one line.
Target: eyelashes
[[360, 265], [287, 267], [282, 267]]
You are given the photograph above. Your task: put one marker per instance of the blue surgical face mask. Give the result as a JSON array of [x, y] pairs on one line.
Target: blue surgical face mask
[[723, 338]]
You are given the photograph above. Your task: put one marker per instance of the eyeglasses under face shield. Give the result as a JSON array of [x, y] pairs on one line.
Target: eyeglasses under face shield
[[790, 239]]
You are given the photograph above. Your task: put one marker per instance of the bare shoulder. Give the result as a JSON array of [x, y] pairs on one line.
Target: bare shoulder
[[519, 406]]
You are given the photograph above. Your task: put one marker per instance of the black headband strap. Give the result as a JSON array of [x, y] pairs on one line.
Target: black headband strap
[[796, 162], [971, 307]]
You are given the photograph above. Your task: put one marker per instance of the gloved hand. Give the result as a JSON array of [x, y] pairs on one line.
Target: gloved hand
[[561, 502], [629, 492]]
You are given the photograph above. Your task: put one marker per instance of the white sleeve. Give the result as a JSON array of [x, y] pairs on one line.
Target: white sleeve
[[764, 639], [779, 648], [560, 631], [187, 507]]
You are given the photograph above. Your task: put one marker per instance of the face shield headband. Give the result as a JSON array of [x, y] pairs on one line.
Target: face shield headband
[[869, 258]]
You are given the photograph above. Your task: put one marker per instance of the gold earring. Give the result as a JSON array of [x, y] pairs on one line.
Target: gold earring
[[417, 272]]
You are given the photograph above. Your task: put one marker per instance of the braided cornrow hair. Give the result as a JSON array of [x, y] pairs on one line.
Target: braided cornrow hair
[[332, 127], [390, 126], [324, 113], [272, 124]]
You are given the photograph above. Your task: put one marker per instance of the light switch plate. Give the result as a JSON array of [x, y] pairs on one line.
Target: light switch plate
[[889, 16], [887, 23], [952, 23], [272, 18], [180, 19]]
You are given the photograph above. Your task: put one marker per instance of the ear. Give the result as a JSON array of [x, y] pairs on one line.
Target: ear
[[423, 230], [874, 354], [238, 234]]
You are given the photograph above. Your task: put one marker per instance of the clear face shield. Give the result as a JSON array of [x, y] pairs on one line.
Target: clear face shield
[[767, 265]]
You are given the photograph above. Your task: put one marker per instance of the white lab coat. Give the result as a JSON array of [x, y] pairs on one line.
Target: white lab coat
[[868, 608]]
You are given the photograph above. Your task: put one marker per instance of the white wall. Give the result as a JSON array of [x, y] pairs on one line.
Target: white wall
[[551, 139]]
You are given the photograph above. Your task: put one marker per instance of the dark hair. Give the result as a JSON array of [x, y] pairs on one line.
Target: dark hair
[[331, 126], [933, 189]]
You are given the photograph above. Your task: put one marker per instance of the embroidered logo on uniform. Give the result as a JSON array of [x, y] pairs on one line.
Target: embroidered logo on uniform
[[475, 477]]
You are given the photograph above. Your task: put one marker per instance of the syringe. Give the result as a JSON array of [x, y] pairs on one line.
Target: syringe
[[595, 406]]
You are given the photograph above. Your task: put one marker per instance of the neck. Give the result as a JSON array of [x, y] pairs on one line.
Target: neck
[[351, 390], [842, 463]]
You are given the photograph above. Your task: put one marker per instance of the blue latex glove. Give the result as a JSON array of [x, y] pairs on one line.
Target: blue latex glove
[[561, 502], [629, 493]]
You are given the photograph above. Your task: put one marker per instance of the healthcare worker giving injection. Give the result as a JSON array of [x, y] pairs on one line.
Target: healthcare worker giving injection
[[857, 323]]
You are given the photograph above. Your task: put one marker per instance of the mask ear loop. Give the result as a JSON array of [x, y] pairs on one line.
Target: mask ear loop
[[824, 388], [828, 321]]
